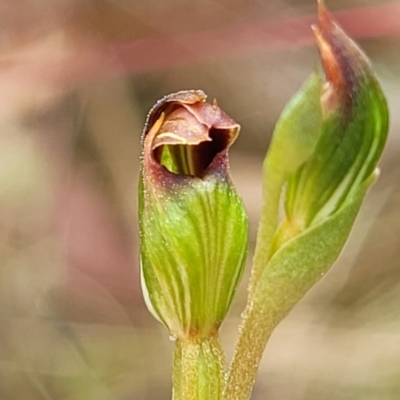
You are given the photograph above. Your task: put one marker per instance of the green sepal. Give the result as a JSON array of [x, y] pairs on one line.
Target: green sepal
[[293, 141], [193, 254], [297, 130], [303, 260]]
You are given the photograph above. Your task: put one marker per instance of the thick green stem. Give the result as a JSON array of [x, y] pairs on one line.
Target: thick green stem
[[255, 331], [199, 368]]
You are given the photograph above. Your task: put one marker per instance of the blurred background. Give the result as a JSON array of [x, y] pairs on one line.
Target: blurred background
[[77, 78]]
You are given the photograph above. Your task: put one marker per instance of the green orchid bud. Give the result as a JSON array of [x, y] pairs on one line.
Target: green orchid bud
[[320, 165], [192, 222], [334, 133], [352, 134]]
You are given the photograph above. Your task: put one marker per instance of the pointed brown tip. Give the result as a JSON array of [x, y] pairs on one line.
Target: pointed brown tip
[[323, 13], [331, 62], [344, 63]]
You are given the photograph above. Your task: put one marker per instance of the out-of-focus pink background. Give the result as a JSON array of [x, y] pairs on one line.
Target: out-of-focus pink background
[[76, 81]]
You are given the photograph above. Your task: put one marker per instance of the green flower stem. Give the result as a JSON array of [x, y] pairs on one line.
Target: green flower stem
[[255, 331], [199, 368], [257, 324]]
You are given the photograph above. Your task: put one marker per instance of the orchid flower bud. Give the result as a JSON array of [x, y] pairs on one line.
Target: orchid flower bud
[[352, 134], [322, 160], [193, 224]]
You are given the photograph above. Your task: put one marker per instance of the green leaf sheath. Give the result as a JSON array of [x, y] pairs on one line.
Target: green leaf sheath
[[291, 272]]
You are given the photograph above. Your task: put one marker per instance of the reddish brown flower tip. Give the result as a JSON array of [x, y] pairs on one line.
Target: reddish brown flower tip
[[184, 134], [344, 63]]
